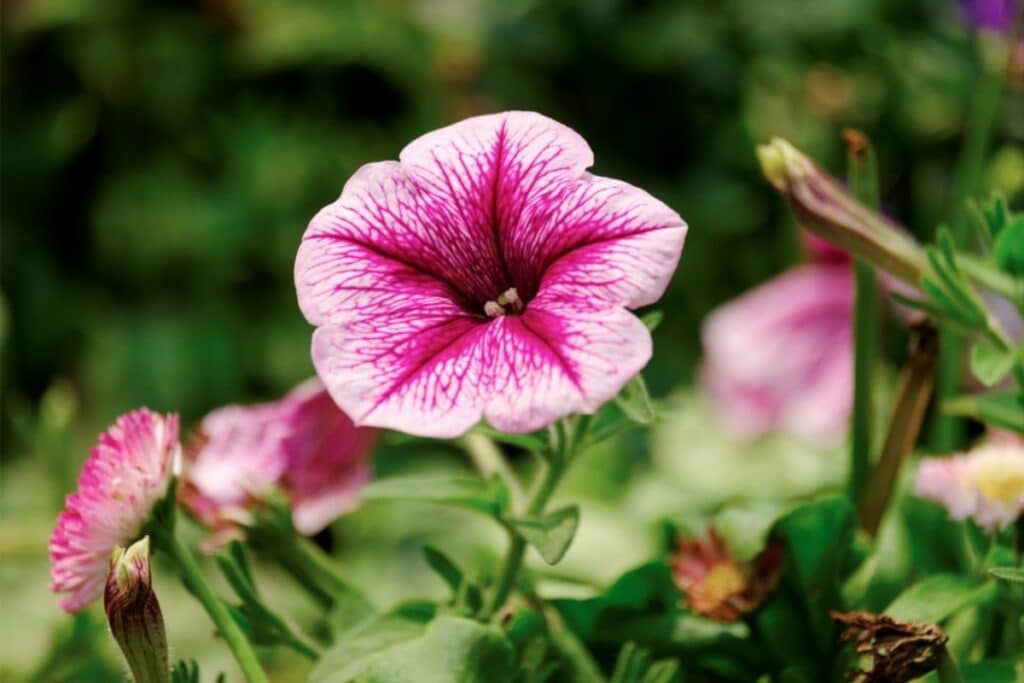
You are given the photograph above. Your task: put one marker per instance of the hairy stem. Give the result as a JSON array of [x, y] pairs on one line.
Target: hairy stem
[[222, 619], [863, 176]]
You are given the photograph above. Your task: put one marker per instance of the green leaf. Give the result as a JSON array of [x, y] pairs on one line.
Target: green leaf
[[1008, 250], [1003, 409], [635, 401], [535, 443], [652, 319], [1011, 574], [990, 364], [818, 536], [443, 567], [746, 527], [397, 650], [489, 496], [939, 596], [551, 533]]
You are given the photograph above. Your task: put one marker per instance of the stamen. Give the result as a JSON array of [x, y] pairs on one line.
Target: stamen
[[511, 299], [493, 309]]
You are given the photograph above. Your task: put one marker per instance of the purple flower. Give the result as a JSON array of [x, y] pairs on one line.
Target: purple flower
[[124, 477], [781, 355], [486, 275], [994, 15], [302, 446]]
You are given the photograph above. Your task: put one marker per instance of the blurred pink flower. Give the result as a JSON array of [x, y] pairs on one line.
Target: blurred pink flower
[[486, 275], [781, 355], [302, 446], [126, 473], [986, 484]]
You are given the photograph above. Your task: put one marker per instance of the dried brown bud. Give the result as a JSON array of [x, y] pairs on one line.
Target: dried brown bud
[[900, 650]]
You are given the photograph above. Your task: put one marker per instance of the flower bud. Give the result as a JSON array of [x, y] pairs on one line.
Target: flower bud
[[824, 207], [134, 616]]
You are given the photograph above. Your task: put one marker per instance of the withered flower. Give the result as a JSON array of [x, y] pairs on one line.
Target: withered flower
[[717, 586], [900, 650]]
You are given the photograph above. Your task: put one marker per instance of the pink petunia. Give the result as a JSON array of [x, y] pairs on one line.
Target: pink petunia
[[302, 446], [986, 484], [781, 355], [126, 473], [484, 275]]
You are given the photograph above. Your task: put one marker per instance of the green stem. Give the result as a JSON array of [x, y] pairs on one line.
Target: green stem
[[948, 430], [947, 670], [553, 468], [488, 458], [310, 566], [582, 667], [222, 619], [863, 176]]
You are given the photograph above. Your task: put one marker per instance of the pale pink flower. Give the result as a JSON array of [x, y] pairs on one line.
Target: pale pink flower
[[484, 275], [126, 473], [986, 484], [303, 446], [781, 355]]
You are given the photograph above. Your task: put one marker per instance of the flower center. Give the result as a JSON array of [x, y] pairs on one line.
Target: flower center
[[1001, 480], [508, 302]]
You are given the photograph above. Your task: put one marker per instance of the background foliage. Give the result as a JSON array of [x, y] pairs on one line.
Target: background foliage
[[160, 161]]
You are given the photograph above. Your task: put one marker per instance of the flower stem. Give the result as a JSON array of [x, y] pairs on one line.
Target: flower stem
[[488, 458], [947, 431], [222, 619], [915, 389], [573, 652], [551, 473], [863, 176]]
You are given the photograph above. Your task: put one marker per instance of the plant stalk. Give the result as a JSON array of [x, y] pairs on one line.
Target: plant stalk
[[227, 627], [917, 379], [948, 430], [863, 177]]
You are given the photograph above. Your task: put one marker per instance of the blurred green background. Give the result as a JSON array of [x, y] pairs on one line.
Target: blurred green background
[[160, 161]]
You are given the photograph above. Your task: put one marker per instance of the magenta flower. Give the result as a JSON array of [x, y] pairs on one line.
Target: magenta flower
[[126, 473], [302, 446], [486, 275], [781, 355], [993, 15], [985, 484]]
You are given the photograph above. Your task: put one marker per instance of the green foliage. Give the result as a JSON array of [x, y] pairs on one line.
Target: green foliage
[[937, 597], [1000, 409], [397, 649], [487, 496], [551, 533]]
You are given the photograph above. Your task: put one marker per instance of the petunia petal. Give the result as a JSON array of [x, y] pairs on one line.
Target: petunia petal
[[606, 241]]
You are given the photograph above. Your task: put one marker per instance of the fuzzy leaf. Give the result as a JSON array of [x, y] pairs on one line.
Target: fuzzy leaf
[[394, 649], [1003, 409], [990, 364], [1011, 574], [551, 533], [489, 496], [635, 401], [937, 597], [652, 319]]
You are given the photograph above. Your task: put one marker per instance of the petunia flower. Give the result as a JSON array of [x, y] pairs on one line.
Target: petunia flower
[[986, 484], [126, 473], [781, 355], [992, 15], [484, 275], [717, 586], [302, 446]]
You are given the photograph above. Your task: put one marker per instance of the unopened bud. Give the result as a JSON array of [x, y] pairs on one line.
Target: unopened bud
[[134, 616], [826, 208]]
